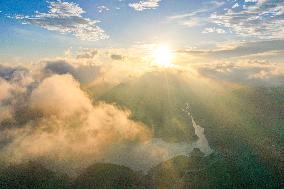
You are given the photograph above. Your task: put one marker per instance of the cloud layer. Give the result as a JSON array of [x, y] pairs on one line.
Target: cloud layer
[[58, 121], [144, 5], [261, 19], [65, 17]]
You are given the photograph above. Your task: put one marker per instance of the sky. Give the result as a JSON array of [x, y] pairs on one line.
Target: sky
[[37, 29]]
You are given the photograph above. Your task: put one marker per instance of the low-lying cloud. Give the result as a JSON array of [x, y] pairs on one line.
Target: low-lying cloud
[[248, 73], [63, 124]]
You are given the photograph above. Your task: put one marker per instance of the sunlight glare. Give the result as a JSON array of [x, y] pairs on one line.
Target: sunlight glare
[[163, 56]]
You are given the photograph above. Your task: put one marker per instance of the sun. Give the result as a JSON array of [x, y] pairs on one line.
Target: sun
[[163, 55]]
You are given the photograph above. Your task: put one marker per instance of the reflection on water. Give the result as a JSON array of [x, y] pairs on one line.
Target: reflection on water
[[144, 156], [202, 142]]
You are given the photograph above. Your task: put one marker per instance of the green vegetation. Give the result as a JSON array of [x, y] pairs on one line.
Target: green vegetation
[[157, 100], [31, 175], [105, 176], [193, 171], [242, 124]]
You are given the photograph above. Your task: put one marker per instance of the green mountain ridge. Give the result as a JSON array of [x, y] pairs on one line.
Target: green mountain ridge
[[157, 100]]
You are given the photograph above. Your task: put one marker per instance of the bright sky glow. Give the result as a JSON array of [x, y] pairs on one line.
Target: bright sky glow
[[163, 55]]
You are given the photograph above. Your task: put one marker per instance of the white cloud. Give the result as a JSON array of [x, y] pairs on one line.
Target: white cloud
[[66, 17], [65, 115], [143, 5], [5, 89], [64, 104], [250, 1], [214, 30], [64, 9], [195, 18], [259, 19], [102, 8], [249, 72], [235, 5]]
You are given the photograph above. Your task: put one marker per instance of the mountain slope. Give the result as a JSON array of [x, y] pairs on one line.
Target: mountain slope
[[107, 176], [157, 100]]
